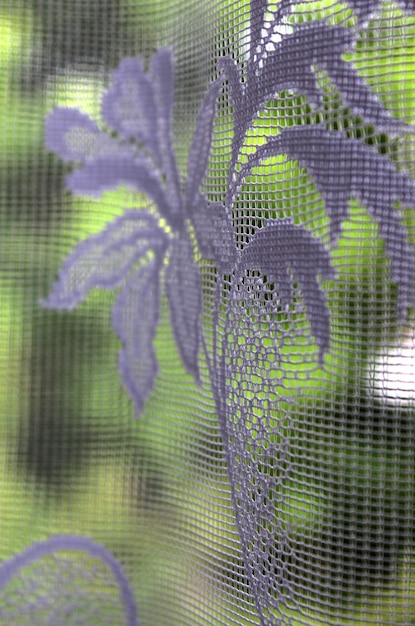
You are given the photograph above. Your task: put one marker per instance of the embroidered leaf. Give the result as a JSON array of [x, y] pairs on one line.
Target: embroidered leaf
[[242, 110], [284, 252], [105, 173], [364, 9], [291, 61], [137, 107], [162, 77], [129, 105], [257, 10], [65, 580], [200, 146], [162, 74], [274, 28], [135, 317], [279, 71], [72, 134], [292, 65], [104, 259], [342, 169], [184, 294]]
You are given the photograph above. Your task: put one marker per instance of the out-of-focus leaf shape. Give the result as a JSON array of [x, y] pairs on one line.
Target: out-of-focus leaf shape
[[285, 253], [135, 317], [364, 9], [201, 145], [342, 169], [105, 173], [65, 580], [71, 134], [129, 105], [162, 73], [104, 259], [137, 107], [162, 78], [185, 299], [134, 250]]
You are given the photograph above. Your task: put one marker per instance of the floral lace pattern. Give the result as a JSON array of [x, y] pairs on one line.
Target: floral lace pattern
[[145, 252], [130, 253]]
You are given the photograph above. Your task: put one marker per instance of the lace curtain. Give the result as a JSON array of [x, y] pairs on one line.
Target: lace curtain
[[207, 312]]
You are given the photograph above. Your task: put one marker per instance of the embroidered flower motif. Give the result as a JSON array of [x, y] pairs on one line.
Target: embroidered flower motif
[[131, 252], [279, 265], [282, 261]]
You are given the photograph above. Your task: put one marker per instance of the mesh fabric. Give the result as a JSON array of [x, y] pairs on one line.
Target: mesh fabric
[[207, 324]]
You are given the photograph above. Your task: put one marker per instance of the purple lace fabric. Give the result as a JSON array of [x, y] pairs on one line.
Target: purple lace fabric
[[270, 290], [65, 580], [130, 252]]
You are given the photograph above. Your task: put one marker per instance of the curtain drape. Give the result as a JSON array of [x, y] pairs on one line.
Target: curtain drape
[[207, 279]]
